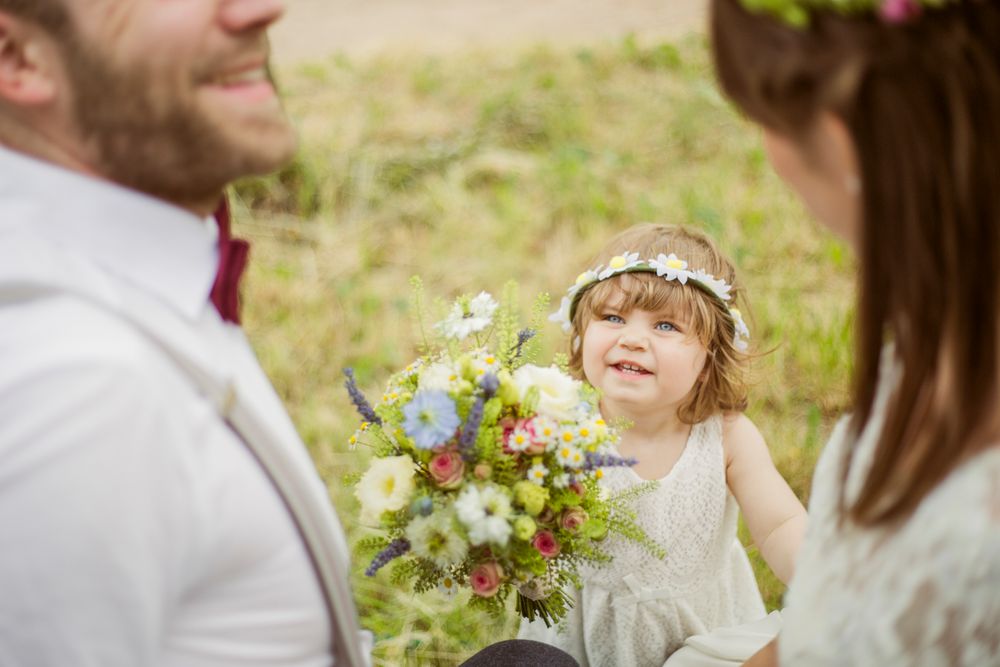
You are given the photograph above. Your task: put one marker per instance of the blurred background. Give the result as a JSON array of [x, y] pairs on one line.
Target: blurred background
[[472, 142]]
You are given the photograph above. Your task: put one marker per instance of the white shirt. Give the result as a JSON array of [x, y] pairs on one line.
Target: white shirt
[[135, 527]]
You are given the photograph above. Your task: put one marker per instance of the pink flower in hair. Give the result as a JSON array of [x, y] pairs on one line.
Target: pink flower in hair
[[899, 11]]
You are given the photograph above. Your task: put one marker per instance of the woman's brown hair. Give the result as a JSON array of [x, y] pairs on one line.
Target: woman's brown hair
[[723, 386], [922, 104]]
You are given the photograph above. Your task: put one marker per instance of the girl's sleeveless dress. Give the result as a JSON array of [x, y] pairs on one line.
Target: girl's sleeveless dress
[[637, 610]]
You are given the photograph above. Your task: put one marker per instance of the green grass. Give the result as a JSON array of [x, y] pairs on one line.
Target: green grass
[[477, 168]]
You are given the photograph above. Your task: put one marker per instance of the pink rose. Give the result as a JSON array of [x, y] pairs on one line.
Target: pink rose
[[546, 544], [573, 518], [485, 579], [579, 489], [482, 471], [546, 515], [447, 469]]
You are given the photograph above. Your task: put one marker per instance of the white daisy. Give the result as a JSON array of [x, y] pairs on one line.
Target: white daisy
[[619, 263], [467, 318], [448, 586], [484, 363], [742, 336], [560, 481], [537, 473], [484, 513], [718, 287], [569, 456], [561, 316], [671, 267], [587, 277], [435, 538], [546, 429], [519, 440]]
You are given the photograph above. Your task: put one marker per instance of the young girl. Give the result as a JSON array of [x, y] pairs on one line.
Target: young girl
[[654, 329]]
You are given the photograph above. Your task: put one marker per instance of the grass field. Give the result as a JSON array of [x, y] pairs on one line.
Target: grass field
[[479, 168]]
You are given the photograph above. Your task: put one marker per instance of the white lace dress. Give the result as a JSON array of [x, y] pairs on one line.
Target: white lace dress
[[637, 610], [926, 593]]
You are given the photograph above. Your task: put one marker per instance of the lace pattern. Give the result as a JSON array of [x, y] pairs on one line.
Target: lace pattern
[[638, 610], [923, 593]]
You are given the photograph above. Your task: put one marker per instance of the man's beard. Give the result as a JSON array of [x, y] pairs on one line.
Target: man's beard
[[143, 137]]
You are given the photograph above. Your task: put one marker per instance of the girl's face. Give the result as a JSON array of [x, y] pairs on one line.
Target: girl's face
[[640, 360]]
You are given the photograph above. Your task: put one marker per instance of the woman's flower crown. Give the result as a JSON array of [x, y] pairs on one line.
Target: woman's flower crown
[[796, 12], [669, 267]]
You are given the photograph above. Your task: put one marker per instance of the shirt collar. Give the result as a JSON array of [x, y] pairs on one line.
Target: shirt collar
[[159, 247]]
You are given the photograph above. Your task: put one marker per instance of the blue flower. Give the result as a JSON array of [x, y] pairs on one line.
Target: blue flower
[[431, 418]]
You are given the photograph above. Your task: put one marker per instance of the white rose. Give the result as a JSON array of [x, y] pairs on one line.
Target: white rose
[[385, 487], [558, 393]]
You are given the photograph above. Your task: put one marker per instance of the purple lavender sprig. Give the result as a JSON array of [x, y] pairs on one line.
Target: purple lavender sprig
[[467, 439], [489, 384], [593, 460], [396, 548], [361, 403], [523, 336]]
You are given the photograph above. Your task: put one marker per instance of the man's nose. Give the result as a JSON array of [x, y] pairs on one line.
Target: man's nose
[[243, 15]]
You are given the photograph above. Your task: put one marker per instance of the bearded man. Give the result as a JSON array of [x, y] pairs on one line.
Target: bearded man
[[156, 505]]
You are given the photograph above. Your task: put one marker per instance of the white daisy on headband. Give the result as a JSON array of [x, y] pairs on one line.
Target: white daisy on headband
[[671, 268], [619, 263]]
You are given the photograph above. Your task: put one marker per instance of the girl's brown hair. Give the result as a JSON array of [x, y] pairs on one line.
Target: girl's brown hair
[[922, 104], [723, 386]]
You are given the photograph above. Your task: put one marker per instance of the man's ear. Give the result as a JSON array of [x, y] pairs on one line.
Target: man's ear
[[27, 63]]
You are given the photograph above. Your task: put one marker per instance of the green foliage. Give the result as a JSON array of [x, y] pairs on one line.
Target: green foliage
[[541, 156]]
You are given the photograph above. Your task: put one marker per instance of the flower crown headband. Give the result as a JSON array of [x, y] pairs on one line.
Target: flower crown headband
[[669, 267], [796, 12]]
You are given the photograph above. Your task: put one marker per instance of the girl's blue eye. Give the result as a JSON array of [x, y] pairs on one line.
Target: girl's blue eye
[[665, 326], [614, 319]]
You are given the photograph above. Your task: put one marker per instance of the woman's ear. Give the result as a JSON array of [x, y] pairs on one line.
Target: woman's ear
[[27, 63]]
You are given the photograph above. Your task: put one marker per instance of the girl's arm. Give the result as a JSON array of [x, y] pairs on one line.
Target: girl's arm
[[774, 515]]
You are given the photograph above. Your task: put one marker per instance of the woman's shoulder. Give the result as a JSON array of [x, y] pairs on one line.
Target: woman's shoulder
[[936, 575]]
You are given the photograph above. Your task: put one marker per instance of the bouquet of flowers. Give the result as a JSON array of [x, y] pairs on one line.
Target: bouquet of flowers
[[485, 469]]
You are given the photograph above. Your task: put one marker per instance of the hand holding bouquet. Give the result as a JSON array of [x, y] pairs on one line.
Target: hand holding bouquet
[[486, 467]]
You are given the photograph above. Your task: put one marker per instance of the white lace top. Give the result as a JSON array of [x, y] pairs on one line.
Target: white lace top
[[926, 593], [637, 610]]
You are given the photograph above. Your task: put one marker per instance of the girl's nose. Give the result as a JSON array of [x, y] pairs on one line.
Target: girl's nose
[[631, 342]]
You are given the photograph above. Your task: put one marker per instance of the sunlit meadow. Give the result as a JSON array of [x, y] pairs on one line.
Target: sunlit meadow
[[477, 168]]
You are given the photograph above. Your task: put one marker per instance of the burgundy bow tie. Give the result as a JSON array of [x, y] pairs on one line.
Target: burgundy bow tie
[[232, 260]]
